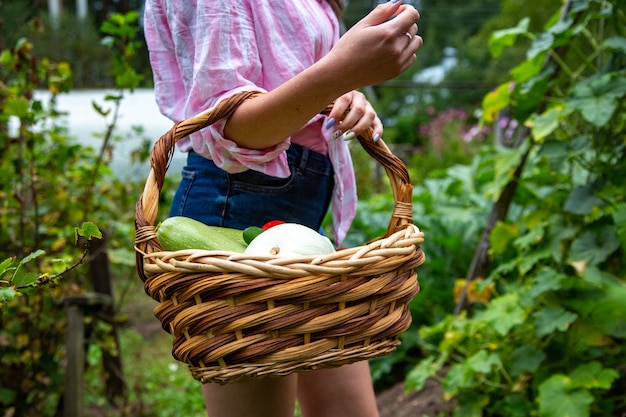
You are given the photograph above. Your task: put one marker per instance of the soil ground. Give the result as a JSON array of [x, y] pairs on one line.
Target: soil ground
[[429, 402]]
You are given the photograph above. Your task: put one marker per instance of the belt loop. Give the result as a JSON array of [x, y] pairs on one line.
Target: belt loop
[[303, 158]]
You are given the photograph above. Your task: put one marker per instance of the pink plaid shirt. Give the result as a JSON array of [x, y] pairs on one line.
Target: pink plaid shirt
[[204, 51]]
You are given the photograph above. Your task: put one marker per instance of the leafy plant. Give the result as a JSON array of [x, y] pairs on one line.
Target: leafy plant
[[17, 278], [49, 183], [551, 343]]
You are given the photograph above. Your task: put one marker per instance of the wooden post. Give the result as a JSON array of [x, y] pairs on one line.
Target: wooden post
[[100, 276], [75, 352], [73, 403]]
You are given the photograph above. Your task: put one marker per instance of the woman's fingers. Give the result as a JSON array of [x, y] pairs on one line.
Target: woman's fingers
[[353, 114], [381, 13]]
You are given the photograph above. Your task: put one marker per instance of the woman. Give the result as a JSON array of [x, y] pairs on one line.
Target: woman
[[276, 157]]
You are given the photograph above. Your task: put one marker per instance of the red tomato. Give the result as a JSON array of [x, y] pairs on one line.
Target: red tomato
[[272, 223]]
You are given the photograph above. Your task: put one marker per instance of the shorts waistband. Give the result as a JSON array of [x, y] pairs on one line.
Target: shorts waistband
[[298, 156], [304, 158]]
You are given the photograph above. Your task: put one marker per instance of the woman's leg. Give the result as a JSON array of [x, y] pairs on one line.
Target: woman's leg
[[270, 397], [346, 391]]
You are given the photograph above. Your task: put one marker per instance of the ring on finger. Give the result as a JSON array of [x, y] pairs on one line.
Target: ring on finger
[[408, 35]]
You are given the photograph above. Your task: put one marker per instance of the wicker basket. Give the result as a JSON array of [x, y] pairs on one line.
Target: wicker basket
[[234, 317]]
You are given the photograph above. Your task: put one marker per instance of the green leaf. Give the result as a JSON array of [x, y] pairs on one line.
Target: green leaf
[[114, 98], [501, 39], [99, 109], [560, 235], [582, 200], [108, 27], [542, 125], [551, 319], [557, 400], [5, 265], [417, 377], [532, 82], [32, 256], [615, 42], [483, 361], [23, 277], [562, 150], [501, 235], [504, 268], [512, 405], [619, 218], [546, 280], [89, 231], [579, 6], [7, 294], [16, 107], [494, 101], [560, 27], [529, 260], [530, 239], [503, 313], [472, 406], [132, 16], [609, 312], [596, 98], [542, 43], [459, 376], [591, 375], [128, 78], [594, 246], [506, 163], [525, 358], [6, 58], [598, 277], [526, 70]]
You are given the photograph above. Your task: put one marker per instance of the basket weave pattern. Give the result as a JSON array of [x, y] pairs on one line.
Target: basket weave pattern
[[234, 316]]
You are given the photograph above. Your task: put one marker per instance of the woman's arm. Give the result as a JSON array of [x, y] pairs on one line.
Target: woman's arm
[[374, 50]]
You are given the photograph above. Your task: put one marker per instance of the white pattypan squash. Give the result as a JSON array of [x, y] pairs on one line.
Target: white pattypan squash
[[290, 239]]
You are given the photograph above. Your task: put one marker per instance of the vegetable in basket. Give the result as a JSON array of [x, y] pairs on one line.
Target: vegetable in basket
[[290, 239], [178, 233]]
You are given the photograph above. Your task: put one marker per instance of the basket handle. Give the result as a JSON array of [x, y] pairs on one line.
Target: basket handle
[[146, 209]]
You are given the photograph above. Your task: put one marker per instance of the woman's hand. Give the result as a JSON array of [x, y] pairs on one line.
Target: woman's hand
[[379, 47], [359, 116]]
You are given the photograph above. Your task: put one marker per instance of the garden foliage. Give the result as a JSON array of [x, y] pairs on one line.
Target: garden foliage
[[550, 341], [53, 193]]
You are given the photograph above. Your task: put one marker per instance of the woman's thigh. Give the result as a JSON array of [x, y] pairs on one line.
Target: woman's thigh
[[346, 391], [271, 397]]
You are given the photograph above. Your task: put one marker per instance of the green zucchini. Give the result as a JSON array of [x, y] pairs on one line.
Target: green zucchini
[[234, 234], [178, 233]]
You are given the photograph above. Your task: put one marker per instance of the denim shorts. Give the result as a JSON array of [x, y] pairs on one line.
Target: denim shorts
[[213, 196]]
